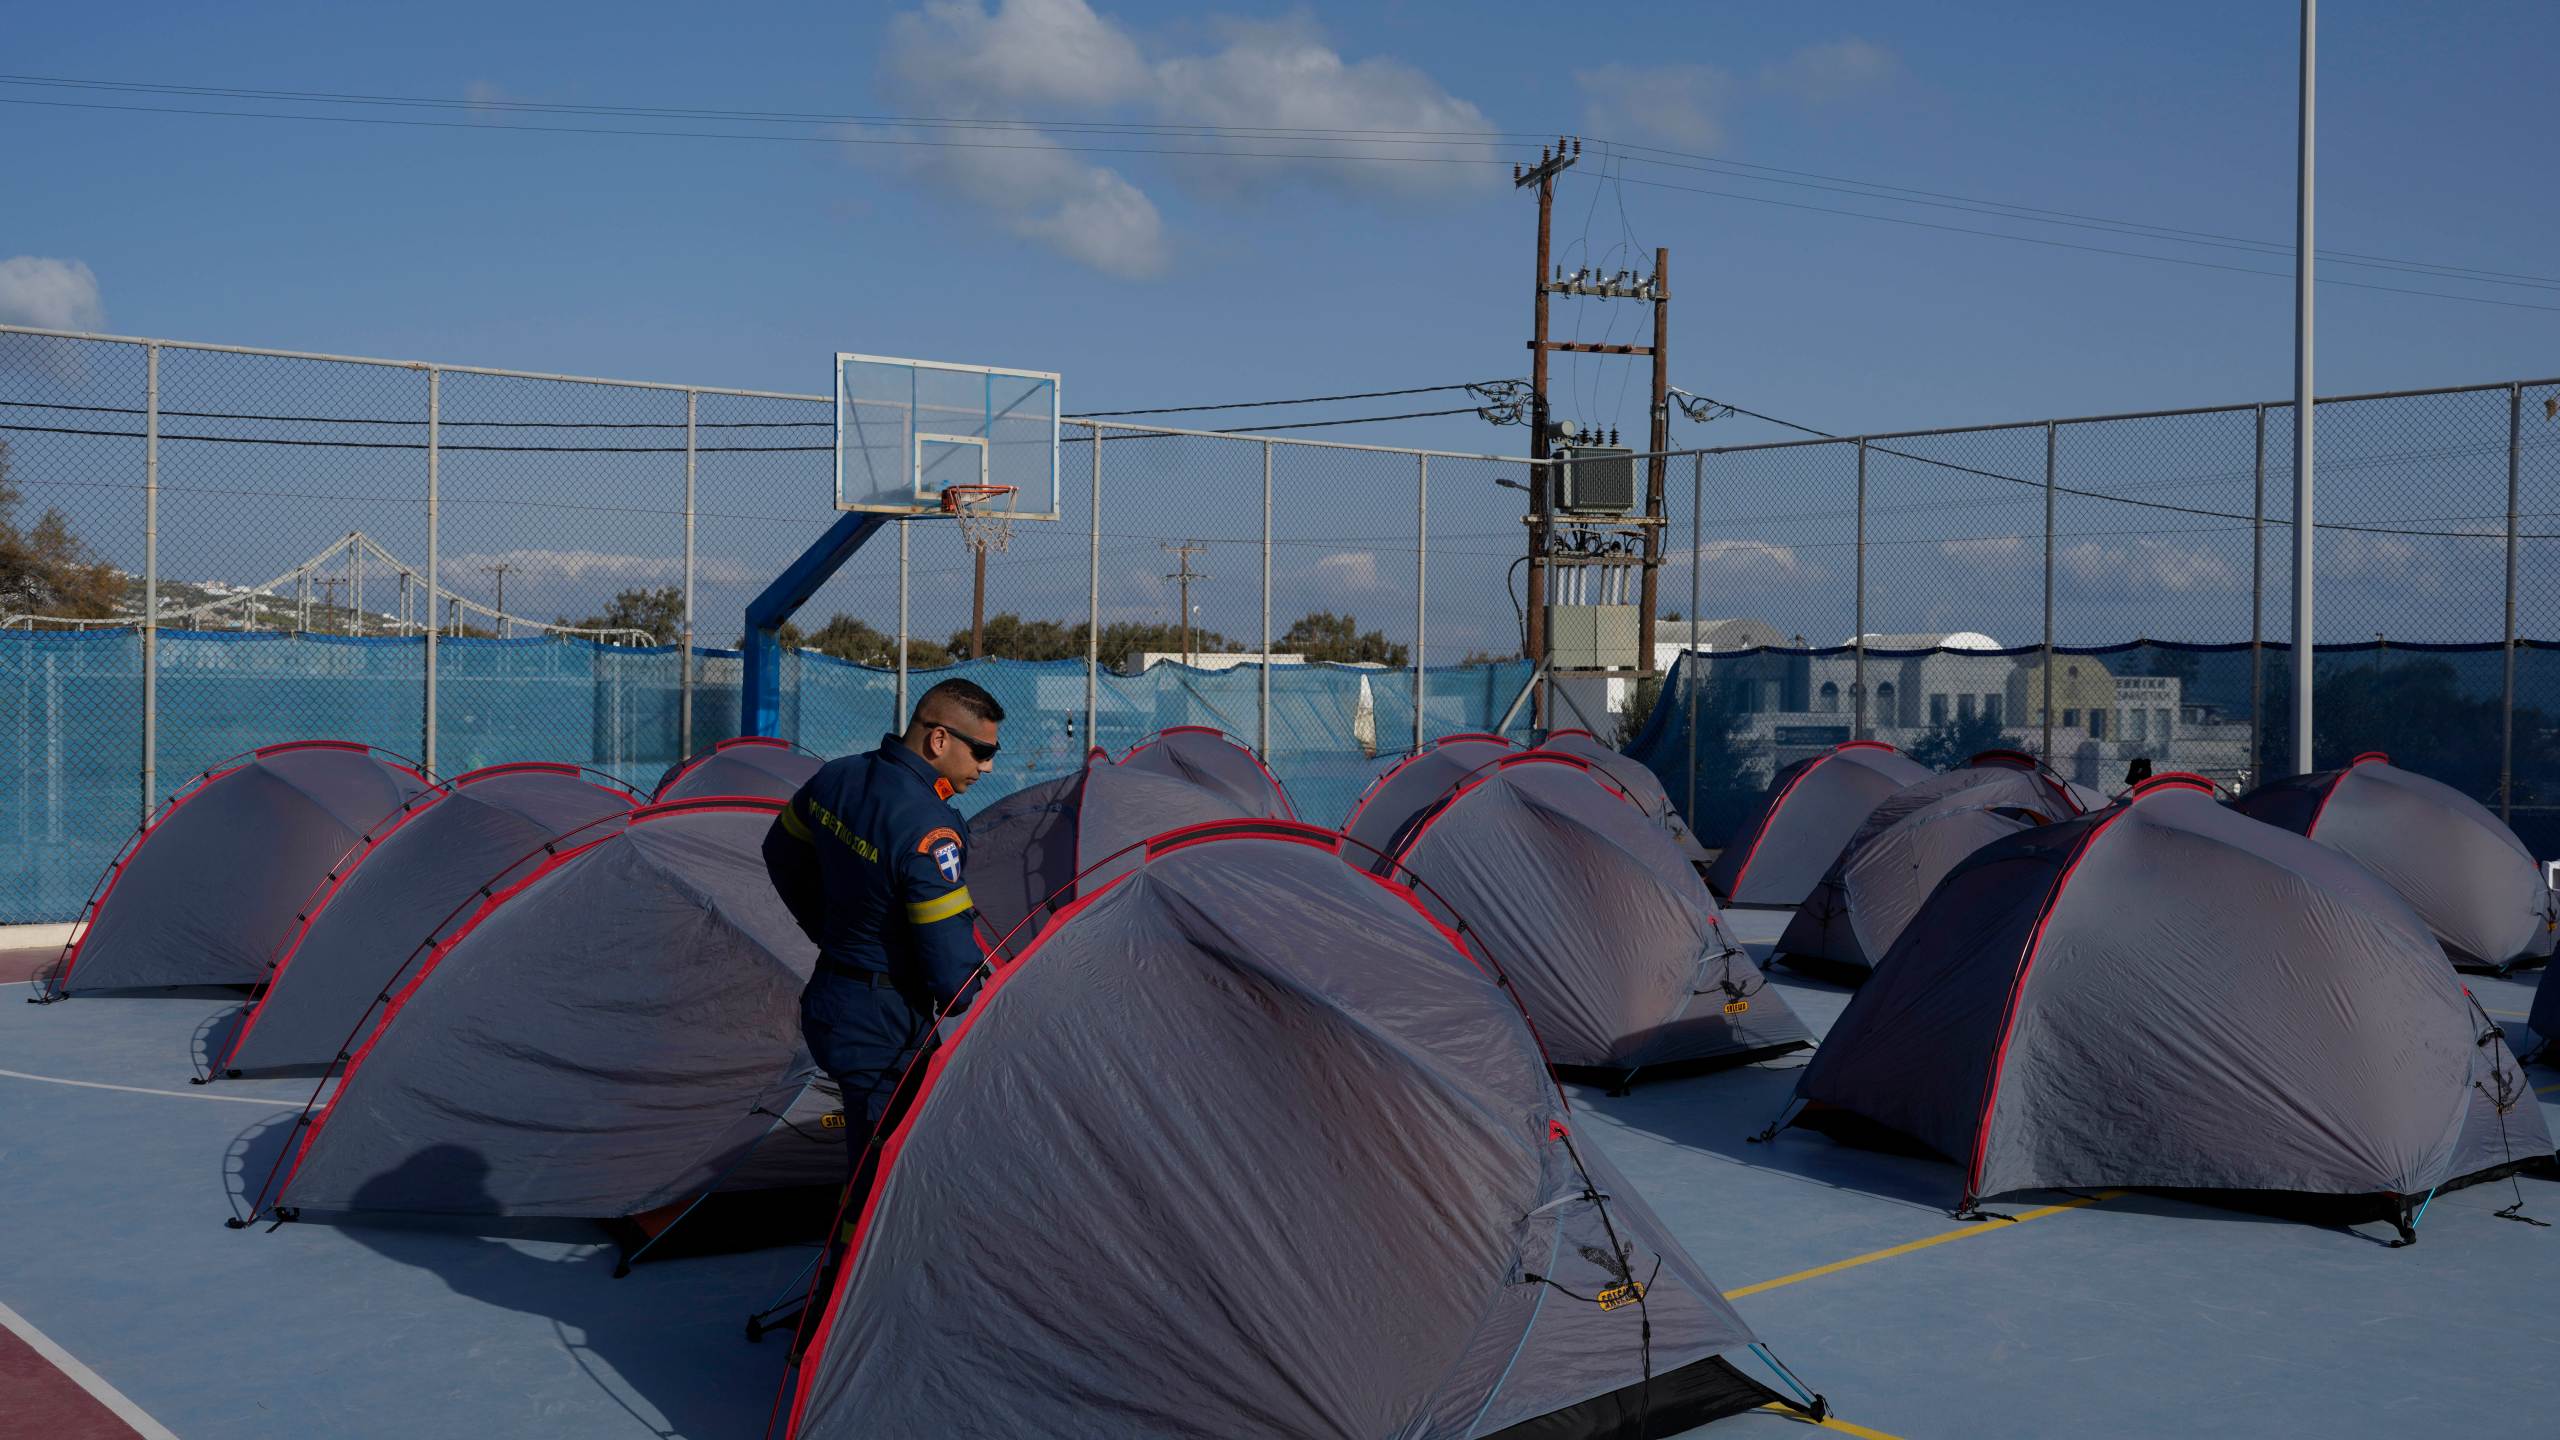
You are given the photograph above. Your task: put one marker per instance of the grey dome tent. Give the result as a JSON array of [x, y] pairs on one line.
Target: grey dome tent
[[1246, 1145], [2464, 872], [1808, 813], [388, 894], [1413, 784], [744, 765], [1995, 777], [2168, 994], [1871, 894], [204, 892], [1616, 948], [1209, 759], [614, 1032], [1036, 848], [1634, 777]]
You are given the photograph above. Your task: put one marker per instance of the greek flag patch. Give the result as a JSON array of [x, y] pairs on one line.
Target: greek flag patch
[[946, 858]]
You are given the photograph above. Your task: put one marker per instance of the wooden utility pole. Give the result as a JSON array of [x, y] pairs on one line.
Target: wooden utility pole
[[500, 570], [1185, 574], [1551, 163], [978, 603]]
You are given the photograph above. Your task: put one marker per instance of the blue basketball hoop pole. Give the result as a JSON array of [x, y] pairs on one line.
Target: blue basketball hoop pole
[[760, 692]]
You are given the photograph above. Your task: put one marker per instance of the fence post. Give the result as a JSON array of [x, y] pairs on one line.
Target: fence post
[[684, 645], [150, 577], [1093, 601], [2507, 712], [1858, 630], [2257, 602], [435, 419], [1264, 742], [898, 720], [1689, 647], [1421, 580], [2048, 591]]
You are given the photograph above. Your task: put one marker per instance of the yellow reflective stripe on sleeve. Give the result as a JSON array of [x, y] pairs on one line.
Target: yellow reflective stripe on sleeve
[[925, 912], [794, 826]]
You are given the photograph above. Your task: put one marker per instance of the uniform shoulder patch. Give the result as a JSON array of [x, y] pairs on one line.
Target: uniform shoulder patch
[[943, 845]]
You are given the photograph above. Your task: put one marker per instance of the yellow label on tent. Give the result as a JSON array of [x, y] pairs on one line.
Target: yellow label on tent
[[1617, 1295], [832, 1120], [1736, 1007]]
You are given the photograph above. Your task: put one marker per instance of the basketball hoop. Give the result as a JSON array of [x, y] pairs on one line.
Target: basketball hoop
[[982, 525]]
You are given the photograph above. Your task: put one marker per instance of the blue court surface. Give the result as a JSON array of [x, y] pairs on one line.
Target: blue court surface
[[2113, 1315]]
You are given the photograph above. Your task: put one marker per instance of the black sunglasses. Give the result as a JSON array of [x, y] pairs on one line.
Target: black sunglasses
[[982, 751]]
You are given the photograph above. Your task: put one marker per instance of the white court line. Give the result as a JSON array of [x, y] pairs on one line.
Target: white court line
[[139, 1090], [84, 1377]]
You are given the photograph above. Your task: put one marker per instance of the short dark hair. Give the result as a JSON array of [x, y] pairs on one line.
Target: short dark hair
[[969, 695]]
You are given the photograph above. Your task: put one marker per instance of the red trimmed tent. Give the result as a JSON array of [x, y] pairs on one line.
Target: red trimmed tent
[[1617, 950], [2466, 874], [1212, 760], [616, 1031], [1906, 845], [745, 765], [1246, 1144], [1413, 784], [2169, 994], [1809, 812], [216, 881], [387, 895], [1634, 777], [1038, 847]]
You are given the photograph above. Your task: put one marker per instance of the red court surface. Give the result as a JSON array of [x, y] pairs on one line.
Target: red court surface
[[42, 1401]]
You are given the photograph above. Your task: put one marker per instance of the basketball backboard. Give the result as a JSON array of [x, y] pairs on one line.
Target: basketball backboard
[[906, 430]]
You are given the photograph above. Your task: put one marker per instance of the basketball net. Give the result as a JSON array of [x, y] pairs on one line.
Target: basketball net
[[982, 526]]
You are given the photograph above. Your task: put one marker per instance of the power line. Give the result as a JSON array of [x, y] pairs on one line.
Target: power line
[[1938, 199], [2059, 489], [1357, 420], [1257, 404], [2070, 245], [1450, 139]]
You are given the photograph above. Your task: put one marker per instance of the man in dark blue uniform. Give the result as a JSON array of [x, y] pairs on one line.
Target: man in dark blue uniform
[[870, 858]]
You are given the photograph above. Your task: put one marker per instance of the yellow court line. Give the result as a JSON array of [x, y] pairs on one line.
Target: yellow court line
[[1983, 1227], [2545, 1089], [2507, 1014], [1832, 1423]]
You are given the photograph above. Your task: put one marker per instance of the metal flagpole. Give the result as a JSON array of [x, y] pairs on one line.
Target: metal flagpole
[[2302, 405]]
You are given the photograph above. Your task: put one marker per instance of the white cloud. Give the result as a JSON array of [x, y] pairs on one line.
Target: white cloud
[[1750, 555], [1350, 570], [1050, 52], [1985, 549], [2147, 567], [1285, 77], [50, 294], [605, 566], [1673, 105], [1833, 71], [959, 58]]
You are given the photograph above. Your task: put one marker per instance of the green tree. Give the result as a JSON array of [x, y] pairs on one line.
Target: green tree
[[45, 569], [1631, 721], [1956, 741], [1323, 635], [848, 637], [658, 611]]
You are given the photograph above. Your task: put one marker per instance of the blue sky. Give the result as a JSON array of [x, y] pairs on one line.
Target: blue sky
[[1162, 280]]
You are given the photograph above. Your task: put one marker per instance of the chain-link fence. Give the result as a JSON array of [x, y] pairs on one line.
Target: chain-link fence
[[204, 549], [2105, 590]]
